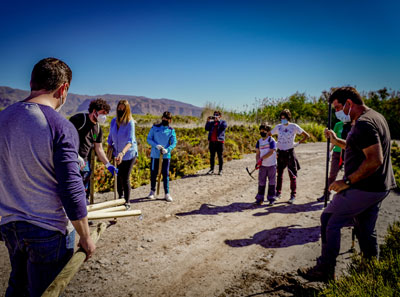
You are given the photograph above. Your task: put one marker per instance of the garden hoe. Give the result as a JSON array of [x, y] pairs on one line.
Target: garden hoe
[[251, 172]]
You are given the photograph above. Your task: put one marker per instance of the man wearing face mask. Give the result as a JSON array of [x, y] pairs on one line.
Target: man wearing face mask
[[91, 136], [286, 132], [216, 137], [40, 188], [368, 178]]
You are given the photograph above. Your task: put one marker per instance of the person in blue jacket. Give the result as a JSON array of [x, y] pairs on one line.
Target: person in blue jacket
[[124, 147], [216, 137], [162, 139]]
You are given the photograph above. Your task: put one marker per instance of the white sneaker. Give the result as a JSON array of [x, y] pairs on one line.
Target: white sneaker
[[151, 195], [291, 200], [168, 197]]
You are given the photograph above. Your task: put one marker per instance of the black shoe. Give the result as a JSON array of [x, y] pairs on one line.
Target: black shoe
[[322, 198], [318, 273], [210, 172], [220, 172], [127, 206]]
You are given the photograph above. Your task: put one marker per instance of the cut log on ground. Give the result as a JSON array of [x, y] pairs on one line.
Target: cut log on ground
[[106, 204], [115, 214], [64, 277], [110, 209]]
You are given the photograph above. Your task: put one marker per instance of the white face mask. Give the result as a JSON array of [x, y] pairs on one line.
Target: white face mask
[[101, 118], [341, 116]]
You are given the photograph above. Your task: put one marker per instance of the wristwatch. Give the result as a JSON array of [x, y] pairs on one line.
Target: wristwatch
[[346, 180]]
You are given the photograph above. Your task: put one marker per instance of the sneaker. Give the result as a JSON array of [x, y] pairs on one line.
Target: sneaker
[[211, 171], [318, 273], [291, 200], [168, 197], [151, 195], [278, 195], [271, 202], [258, 202], [127, 205], [220, 172]]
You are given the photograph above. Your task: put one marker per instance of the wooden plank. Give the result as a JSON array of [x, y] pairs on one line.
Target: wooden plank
[[110, 209], [112, 215], [64, 277], [106, 204], [92, 181]]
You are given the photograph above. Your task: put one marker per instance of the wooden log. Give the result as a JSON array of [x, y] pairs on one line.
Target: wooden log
[[112, 215], [106, 204], [110, 209], [64, 277]]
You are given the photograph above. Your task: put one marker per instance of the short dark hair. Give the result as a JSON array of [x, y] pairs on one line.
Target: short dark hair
[[286, 112], [50, 73], [344, 93], [167, 115], [218, 112], [265, 126], [99, 104]]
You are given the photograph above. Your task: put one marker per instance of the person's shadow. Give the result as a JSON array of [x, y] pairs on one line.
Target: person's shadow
[[283, 207], [210, 209], [279, 237]]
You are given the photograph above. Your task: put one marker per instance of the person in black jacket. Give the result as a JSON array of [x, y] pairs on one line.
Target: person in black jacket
[[216, 137]]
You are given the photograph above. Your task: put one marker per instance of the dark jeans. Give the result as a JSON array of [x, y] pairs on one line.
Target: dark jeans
[[287, 159], [164, 171], [123, 178], [37, 255], [349, 206], [216, 147]]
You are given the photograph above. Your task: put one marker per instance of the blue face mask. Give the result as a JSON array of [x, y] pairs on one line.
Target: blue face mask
[[284, 121]]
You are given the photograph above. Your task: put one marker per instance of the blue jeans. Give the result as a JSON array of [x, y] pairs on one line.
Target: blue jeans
[[164, 171], [85, 173], [37, 255]]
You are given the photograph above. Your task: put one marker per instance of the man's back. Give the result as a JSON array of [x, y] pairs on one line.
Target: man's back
[[34, 137]]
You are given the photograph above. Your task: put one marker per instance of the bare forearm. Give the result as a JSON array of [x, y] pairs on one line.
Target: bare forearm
[[101, 154], [339, 142], [82, 227]]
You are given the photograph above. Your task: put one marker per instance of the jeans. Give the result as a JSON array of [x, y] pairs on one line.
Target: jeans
[[351, 205], [124, 181], [164, 171], [37, 255], [85, 173], [287, 159], [216, 147]]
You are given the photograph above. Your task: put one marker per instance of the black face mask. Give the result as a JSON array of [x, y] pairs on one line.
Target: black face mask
[[263, 134], [120, 113], [164, 122]]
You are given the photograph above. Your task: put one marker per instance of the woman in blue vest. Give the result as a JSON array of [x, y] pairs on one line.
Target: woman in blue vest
[[123, 142]]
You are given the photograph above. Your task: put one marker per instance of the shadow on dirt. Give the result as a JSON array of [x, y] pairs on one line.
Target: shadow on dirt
[[279, 237], [282, 207]]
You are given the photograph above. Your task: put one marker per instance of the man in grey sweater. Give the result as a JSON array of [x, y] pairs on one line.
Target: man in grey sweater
[[41, 188]]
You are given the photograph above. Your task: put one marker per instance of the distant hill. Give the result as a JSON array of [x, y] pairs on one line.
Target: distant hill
[[80, 103]]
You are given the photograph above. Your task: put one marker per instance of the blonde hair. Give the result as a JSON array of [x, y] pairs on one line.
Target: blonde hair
[[127, 116]]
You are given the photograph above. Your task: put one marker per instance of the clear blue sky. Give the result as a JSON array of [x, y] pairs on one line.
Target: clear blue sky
[[227, 52]]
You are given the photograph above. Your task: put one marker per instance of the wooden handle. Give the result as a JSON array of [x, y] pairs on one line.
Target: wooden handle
[[160, 161], [64, 277], [114, 214]]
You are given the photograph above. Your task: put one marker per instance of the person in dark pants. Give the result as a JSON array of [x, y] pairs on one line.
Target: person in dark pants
[[41, 190], [286, 132], [216, 137], [162, 139], [368, 179], [122, 141]]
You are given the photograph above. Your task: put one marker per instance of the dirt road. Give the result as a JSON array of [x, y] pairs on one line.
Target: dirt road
[[212, 241]]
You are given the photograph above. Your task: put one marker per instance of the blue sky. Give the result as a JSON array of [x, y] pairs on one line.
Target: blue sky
[[224, 52]]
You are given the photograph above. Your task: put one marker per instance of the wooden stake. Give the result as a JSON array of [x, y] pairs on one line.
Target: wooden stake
[[115, 180], [92, 181], [112, 215], [110, 209], [64, 277], [160, 161], [106, 204]]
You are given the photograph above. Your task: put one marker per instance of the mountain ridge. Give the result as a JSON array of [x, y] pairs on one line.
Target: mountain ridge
[[79, 103]]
